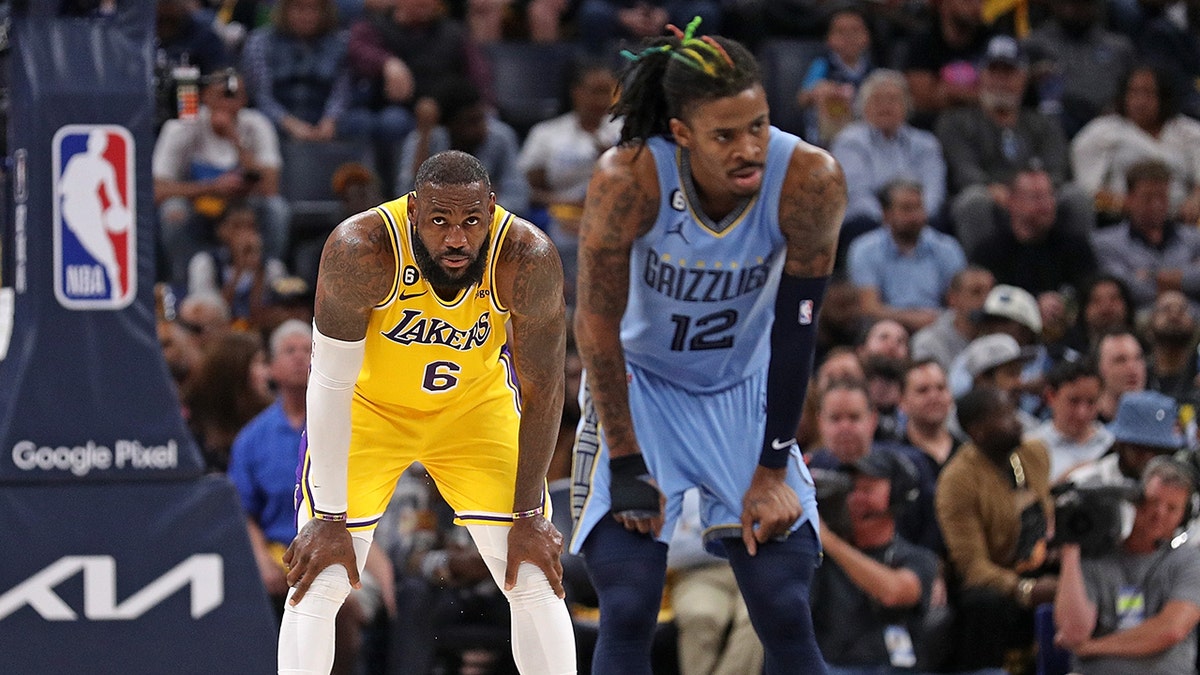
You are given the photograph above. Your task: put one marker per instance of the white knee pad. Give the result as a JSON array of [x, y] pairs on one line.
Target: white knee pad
[[306, 637], [532, 589], [332, 585], [543, 641]]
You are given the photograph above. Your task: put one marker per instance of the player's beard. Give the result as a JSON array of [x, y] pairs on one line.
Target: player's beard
[[439, 278]]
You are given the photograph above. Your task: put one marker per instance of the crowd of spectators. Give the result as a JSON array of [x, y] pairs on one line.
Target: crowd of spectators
[[1014, 306]]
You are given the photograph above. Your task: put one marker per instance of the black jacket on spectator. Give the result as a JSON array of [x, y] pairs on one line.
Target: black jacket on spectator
[[1063, 258]]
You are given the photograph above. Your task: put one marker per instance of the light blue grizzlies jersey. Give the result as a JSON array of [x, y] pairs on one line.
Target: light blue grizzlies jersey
[[702, 294]]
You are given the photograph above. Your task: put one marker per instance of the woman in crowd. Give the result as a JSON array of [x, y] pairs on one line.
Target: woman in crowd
[[1147, 124], [230, 387]]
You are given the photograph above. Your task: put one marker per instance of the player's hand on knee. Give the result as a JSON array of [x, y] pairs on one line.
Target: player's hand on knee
[[636, 501], [535, 540], [320, 544], [769, 508]]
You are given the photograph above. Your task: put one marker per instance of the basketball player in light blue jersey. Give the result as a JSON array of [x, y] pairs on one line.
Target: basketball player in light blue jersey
[[706, 243]]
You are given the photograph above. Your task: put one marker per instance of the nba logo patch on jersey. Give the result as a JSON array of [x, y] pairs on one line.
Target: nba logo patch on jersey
[[806, 312], [95, 229]]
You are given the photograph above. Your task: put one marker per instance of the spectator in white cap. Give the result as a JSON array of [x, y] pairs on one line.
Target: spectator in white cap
[[996, 360], [1014, 312]]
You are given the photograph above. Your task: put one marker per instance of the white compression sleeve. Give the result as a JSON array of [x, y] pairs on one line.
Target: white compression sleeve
[[335, 367], [306, 634], [307, 642], [543, 640]]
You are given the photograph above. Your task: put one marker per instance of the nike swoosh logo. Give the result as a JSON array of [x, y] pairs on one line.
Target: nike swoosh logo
[[410, 296], [782, 445]]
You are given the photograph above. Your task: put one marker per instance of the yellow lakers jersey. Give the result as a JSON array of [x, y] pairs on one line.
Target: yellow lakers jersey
[[423, 352]]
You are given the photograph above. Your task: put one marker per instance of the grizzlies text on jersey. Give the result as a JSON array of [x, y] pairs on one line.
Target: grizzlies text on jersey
[[698, 315]]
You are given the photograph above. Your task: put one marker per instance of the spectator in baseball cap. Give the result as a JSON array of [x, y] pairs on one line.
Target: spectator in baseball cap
[[1012, 311], [996, 360], [1003, 51], [1146, 425]]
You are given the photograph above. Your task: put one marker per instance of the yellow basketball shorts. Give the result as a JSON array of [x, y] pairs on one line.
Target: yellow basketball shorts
[[469, 448]]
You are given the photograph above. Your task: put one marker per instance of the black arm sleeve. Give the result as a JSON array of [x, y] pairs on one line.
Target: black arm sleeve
[[793, 338]]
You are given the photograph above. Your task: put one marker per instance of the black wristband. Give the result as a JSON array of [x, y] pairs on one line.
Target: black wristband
[[628, 465], [776, 453], [631, 491]]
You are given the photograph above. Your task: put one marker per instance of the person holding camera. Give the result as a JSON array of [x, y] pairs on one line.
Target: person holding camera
[[1135, 607], [868, 600]]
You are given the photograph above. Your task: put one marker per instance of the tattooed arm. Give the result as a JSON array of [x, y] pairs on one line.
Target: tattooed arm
[[811, 207], [529, 281], [810, 211], [357, 270], [621, 204]]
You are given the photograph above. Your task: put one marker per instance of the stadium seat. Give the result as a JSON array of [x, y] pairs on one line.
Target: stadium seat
[[529, 81], [1051, 659], [784, 64], [305, 180]]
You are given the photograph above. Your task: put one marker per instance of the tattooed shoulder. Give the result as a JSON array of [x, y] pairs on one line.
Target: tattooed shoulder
[[622, 198], [358, 266], [529, 276], [811, 208]]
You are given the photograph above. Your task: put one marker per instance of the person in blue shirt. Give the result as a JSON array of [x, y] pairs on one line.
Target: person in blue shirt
[[263, 461], [882, 146], [903, 269]]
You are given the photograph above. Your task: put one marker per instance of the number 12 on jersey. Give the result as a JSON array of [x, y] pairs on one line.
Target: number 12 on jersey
[[704, 332]]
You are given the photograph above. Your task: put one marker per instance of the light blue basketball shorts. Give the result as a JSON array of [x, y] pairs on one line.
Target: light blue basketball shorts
[[708, 440]]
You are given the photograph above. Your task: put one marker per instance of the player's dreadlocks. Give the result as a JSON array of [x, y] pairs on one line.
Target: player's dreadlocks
[[674, 72]]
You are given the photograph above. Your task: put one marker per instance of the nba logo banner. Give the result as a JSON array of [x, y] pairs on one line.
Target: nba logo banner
[[95, 233]]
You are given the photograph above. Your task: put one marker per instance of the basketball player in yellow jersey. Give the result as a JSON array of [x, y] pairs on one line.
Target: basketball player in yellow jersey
[[409, 364]]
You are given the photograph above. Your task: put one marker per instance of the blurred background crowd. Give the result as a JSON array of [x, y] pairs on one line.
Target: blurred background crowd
[[1014, 307]]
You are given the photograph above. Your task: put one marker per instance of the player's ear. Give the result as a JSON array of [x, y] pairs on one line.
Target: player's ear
[[683, 135], [411, 207], [491, 203]]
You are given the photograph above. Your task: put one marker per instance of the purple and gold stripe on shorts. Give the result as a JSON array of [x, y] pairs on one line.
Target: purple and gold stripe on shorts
[[510, 376], [489, 517]]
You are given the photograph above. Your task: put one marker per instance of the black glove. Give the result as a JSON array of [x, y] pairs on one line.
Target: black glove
[[632, 493]]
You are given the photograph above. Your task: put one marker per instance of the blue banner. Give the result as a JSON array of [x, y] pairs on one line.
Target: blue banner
[[84, 392], [131, 578]]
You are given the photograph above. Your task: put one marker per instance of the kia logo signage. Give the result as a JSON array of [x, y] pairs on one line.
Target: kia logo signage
[[203, 573]]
